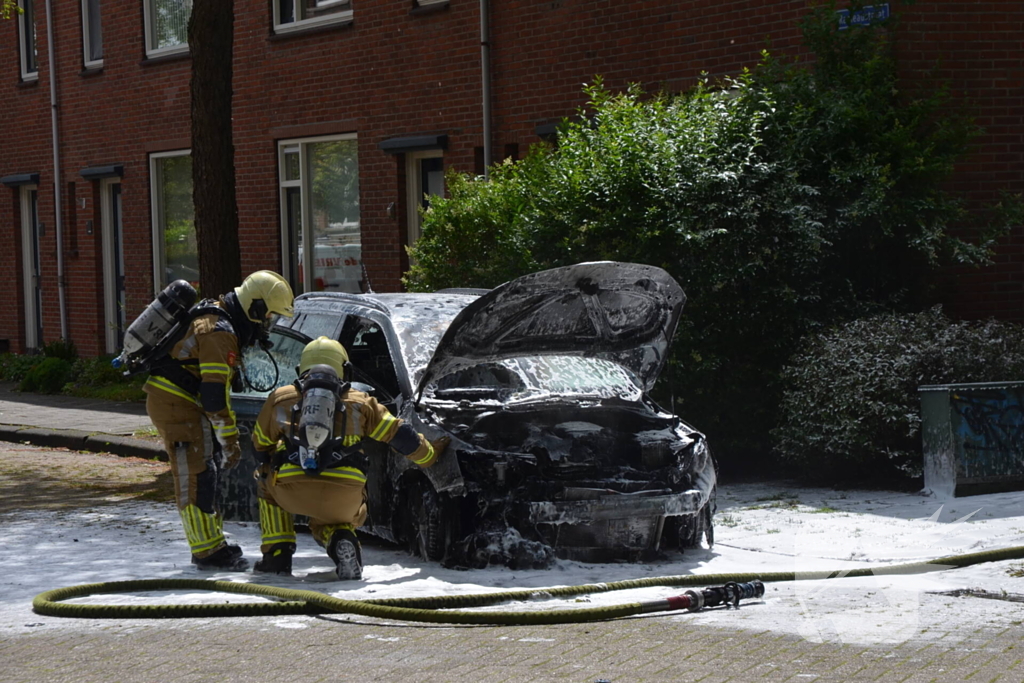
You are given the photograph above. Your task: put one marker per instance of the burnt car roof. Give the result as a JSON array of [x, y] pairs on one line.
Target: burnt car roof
[[420, 319], [624, 312]]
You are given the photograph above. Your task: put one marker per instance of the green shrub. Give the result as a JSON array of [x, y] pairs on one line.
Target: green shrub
[[14, 367], [47, 377], [851, 410], [95, 378], [61, 348]]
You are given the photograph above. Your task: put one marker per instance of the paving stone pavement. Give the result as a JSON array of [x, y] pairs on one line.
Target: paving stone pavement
[[341, 649]]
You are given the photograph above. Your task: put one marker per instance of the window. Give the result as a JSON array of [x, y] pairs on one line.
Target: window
[[424, 177], [27, 37], [175, 256], [92, 34], [292, 15], [320, 207], [166, 26]]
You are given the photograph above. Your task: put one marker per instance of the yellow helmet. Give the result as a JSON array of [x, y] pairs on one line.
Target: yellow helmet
[[324, 351], [268, 287]]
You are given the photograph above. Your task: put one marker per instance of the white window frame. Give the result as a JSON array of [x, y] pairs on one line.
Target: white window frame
[[158, 219], [28, 13], [305, 203], [413, 182], [88, 8], [152, 51], [343, 17], [112, 258]]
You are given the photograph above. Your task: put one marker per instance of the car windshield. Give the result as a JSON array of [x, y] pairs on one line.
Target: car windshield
[[532, 378], [420, 326]]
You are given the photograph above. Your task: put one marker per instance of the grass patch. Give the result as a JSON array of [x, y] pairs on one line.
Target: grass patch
[[1016, 570], [727, 520], [777, 497]]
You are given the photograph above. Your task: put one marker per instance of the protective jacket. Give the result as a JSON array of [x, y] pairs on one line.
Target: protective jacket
[[336, 497]]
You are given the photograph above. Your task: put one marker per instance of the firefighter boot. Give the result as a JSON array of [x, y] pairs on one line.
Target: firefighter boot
[[344, 550], [277, 560], [228, 558]]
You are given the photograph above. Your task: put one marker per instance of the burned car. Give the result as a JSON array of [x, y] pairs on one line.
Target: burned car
[[543, 385]]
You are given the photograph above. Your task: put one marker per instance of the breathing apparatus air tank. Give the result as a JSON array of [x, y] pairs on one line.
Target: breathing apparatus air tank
[[320, 390], [170, 308]]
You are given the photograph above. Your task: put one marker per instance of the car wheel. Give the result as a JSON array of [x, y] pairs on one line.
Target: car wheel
[[428, 536], [689, 530]]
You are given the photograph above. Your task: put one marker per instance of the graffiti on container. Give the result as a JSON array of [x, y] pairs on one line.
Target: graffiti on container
[[990, 428]]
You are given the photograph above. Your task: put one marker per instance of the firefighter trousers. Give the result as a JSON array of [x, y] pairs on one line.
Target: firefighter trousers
[[193, 453], [334, 499]]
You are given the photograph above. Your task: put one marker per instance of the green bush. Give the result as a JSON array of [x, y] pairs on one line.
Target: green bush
[[61, 348], [96, 378], [851, 409], [47, 377], [14, 367]]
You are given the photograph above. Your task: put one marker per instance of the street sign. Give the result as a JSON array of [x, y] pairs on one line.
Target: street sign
[[863, 16]]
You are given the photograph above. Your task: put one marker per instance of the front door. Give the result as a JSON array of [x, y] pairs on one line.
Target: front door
[[113, 264], [31, 232]]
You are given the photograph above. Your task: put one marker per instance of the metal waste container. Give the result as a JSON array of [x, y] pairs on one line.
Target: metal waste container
[[973, 438]]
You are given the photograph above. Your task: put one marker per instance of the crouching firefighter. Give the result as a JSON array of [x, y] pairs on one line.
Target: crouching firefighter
[[188, 400], [308, 439]]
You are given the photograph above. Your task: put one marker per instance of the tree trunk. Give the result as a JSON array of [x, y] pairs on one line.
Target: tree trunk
[[210, 39]]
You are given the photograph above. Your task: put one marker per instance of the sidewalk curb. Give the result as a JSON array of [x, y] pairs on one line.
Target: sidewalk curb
[[74, 439]]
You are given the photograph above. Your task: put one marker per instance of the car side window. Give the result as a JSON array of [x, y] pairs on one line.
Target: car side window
[[368, 351]]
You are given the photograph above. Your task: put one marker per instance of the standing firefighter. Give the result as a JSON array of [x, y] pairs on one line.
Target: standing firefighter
[[308, 437], [188, 400]]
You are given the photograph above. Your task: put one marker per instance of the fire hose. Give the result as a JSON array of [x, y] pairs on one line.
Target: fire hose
[[450, 609]]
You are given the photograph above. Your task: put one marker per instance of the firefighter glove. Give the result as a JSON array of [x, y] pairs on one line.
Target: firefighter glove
[[439, 445]]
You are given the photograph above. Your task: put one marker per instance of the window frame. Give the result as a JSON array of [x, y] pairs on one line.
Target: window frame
[[151, 52], [27, 14], [344, 17], [158, 218], [305, 206], [90, 7], [413, 181]]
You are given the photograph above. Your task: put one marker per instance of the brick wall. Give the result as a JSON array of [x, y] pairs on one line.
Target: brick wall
[[396, 73]]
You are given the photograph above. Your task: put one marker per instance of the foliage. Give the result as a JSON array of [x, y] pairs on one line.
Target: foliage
[[9, 8], [96, 378], [61, 348], [851, 409], [14, 367], [86, 377], [784, 201], [47, 377]]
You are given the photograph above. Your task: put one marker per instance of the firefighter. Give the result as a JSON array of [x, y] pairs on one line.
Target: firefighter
[[188, 400], [333, 494]]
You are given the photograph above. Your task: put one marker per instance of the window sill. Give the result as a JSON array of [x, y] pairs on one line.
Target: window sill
[[164, 59], [429, 8], [28, 83], [90, 71], [287, 34]]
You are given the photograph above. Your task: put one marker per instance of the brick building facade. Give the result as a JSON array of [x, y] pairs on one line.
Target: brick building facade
[[345, 113]]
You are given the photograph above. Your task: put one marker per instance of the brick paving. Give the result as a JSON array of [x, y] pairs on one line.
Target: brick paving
[[340, 649]]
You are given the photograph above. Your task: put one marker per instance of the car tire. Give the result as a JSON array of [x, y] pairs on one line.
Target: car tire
[[428, 536], [687, 531]]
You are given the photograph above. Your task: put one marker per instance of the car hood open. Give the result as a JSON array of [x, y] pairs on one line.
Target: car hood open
[[624, 312]]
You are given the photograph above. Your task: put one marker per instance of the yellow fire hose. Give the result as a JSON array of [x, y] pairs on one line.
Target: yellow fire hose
[[449, 609]]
